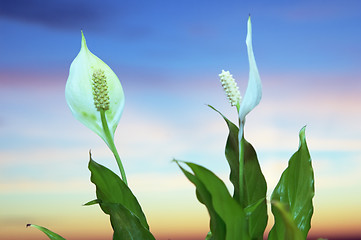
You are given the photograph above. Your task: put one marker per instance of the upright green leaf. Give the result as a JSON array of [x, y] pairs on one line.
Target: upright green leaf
[[295, 190], [217, 225], [50, 234], [125, 224], [254, 184], [111, 189], [232, 155], [213, 193], [117, 200], [290, 229], [255, 190]]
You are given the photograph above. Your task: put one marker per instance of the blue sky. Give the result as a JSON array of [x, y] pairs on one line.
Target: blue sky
[[167, 55], [182, 36]]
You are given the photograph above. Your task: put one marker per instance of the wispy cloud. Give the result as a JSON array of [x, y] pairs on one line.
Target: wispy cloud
[[59, 14]]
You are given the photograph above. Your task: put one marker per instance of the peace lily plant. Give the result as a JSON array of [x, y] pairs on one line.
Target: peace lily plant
[[95, 97]]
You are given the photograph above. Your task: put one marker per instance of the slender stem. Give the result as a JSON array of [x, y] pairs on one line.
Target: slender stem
[[111, 145], [241, 156], [241, 162]]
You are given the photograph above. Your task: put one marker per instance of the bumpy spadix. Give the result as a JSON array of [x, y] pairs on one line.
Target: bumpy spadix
[[230, 87], [93, 87]]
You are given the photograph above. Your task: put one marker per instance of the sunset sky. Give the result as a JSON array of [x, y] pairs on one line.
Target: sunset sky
[[167, 55]]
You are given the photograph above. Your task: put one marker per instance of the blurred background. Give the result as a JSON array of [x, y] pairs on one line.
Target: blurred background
[[167, 55]]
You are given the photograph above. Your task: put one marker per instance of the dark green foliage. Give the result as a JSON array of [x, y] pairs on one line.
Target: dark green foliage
[[254, 184], [295, 191], [228, 220], [117, 200], [125, 224]]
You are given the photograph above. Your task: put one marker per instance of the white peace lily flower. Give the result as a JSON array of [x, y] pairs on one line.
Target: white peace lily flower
[[250, 100], [93, 89], [253, 92]]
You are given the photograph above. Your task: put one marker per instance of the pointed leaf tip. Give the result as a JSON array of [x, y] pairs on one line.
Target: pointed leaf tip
[[83, 41], [249, 28], [302, 135], [303, 129], [51, 235]]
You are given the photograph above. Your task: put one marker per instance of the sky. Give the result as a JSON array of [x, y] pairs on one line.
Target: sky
[[167, 55]]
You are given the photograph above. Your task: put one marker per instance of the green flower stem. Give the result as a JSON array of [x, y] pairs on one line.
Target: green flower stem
[[111, 145], [241, 155], [241, 165]]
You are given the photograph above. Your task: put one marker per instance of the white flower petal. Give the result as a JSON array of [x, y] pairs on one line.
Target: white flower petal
[[79, 93], [254, 89]]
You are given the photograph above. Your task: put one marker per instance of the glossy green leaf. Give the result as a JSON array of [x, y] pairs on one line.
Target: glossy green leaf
[[254, 184], [125, 224], [254, 192], [290, 229], [213, 193], [111, 191], [217, 225], [295, 190], [50, 234], [232, 154]]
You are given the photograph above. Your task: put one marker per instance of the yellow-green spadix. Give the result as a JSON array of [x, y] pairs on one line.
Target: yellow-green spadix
[[92, 88]]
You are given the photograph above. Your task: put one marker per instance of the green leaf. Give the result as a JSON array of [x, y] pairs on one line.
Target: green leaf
[[213, 193], [290, 229], [254, 192], [125, 224], [232, 154], [92, 202], [50, 234], [254, 184], [217, 225], [111, 191], [295, 190]]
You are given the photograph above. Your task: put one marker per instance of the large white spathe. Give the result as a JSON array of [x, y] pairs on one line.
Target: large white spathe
[[253, 92], [79, 92]]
